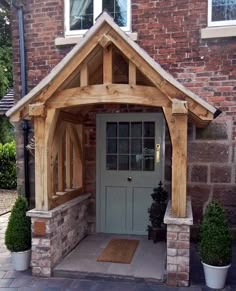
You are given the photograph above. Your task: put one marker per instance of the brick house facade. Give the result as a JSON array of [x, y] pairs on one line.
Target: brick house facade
[[173, 35]]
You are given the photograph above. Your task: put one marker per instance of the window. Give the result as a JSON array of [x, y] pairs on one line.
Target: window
[[80, 15], [221, 12]]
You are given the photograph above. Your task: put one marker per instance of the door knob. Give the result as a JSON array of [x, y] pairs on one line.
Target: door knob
[[129, 179]]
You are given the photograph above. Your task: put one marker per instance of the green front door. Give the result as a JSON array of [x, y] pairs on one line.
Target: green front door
[[130, 163]]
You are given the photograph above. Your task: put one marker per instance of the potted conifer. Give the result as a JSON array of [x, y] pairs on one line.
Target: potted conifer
[[157, 212], [18, 235], [215, 246]]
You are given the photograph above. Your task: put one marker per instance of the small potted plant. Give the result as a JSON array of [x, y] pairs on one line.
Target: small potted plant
[[157, 212], [18, 235], [215, 246]]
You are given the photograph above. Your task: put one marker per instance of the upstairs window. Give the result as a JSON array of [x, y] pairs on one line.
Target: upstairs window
[[221, 12], [80, 15]]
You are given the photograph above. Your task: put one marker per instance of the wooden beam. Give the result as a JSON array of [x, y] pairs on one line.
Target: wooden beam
[[67, 196], [107, 65], [37, 109], [41, 196], [114, 93], [68, 159], [132, 73], [177, 124], [84, 75], [81, 170], [61, 160], [179, 107], [70, 117]]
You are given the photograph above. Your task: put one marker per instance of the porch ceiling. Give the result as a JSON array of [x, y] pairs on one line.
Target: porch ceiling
[[107, 66]]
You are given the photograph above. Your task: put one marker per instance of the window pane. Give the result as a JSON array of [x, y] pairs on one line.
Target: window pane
[[111, 162], [117, 9], [123, 146], [149, 147], [148, 163], [123, 162], [111, 146], [136, 129], [123, 129], [136, 146], [111, 129], [81, 14], [136, 162], [223, 10], [149, 129]]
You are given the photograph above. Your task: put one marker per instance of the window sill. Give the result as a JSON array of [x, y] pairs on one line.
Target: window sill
[[61, 41], [218, 32]]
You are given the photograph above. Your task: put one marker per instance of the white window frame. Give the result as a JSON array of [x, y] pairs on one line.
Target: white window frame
[[217, 23], [97, 10]]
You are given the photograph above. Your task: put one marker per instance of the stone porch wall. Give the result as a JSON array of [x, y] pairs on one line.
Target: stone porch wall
[[55, 233], [178, 247]]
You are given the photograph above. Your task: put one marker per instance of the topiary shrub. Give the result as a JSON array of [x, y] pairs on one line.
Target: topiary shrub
[[214, 237], [18, 233], [8, 166]]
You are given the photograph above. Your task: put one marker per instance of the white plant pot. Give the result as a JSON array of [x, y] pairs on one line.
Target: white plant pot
[[215, 276], [21, 260]]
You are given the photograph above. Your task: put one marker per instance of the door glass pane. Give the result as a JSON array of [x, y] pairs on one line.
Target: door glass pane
[[136, 162], [111, 129], [123, 129], [136, 146], [148, 163], [111, 162], [136, 129], [111, 146], [223, 10], [81, 14], [149, 129], [117, 9], [123, 162], [124, 146], [148, 146]]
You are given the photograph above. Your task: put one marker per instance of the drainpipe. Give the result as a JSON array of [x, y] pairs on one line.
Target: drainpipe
[[23, 93]]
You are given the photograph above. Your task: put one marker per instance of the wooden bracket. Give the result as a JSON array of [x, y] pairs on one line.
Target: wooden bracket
[[37, 109], [179, 107], [104, 41]]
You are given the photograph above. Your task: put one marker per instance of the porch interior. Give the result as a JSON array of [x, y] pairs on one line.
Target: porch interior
[[149, 260]]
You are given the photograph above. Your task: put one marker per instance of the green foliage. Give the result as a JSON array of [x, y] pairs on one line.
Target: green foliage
[[18, 233], [6, 130], [158, 207], [215, 239], [6, 79], [8, 166]]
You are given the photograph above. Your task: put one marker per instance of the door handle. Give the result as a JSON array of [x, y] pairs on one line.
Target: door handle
[[129, 179]]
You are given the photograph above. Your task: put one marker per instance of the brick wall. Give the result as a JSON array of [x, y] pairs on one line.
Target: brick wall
[[170, 32]]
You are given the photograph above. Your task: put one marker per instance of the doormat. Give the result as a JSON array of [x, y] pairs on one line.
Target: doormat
[[119, 251]]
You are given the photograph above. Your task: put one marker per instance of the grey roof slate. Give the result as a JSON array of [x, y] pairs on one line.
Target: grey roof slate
[[7, 102]]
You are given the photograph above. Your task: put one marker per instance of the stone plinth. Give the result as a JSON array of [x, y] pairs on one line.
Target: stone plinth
[[178, 247], [56, 232]]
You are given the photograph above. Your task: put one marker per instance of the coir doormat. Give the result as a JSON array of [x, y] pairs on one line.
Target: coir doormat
[[119, 251]]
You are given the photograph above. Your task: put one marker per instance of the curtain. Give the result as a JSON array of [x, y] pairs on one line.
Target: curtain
[[77, 8]]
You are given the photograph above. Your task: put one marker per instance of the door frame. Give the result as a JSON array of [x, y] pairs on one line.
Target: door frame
[[99, 120]]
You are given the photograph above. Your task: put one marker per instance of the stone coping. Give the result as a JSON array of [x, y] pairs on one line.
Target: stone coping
[[170, 219], [51, 213]]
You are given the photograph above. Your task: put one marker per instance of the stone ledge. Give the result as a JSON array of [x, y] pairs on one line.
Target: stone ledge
[[60, 41], [51, 213], [218, 32], [170, 219]]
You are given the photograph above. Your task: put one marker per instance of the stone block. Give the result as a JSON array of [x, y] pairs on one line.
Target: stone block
[[207, 152], [172, 235], [185, 236], [221, 174], [214, 131], [171, 252], [39, 228], [183, 252], [199, 174], [171, 268]]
